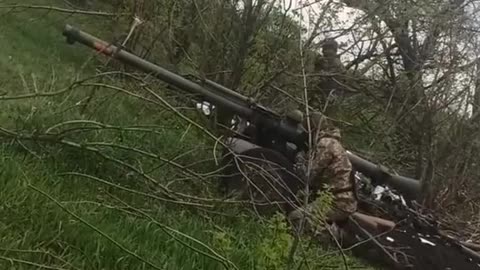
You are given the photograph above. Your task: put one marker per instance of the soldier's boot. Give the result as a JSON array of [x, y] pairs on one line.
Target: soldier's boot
[[373, 224]]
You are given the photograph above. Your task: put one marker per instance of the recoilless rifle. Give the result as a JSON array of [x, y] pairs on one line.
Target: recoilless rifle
[[266, 135]]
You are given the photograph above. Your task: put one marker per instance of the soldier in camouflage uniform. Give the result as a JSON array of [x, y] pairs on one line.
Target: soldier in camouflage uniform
[[330, 70], [330, 61], [330, 166]]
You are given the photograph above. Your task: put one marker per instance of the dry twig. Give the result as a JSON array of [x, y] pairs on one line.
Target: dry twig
[[62, 10]]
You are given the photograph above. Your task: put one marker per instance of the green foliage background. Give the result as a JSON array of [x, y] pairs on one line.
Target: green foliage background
[[114, 219]]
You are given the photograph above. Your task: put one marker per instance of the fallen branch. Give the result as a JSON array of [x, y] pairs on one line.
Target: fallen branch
[[42, 252], [169, 231], [75, 84], [36, 265], [93, 228], [63, 10], [151, 196], [170, 194]]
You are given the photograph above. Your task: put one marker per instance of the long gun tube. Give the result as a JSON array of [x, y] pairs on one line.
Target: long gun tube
[[409, 187], [220, 95], [180, 82]]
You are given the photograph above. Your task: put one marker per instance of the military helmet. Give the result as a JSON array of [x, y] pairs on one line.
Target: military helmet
[[317, 119], [330, 43], [295, 115]]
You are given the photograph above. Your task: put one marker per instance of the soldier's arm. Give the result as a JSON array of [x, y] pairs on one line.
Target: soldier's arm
[[340, 168], [323, 157]]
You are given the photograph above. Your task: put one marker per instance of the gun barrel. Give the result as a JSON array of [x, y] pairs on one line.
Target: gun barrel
[[237, 103], [409, 187], [171, 78], [225, 90]]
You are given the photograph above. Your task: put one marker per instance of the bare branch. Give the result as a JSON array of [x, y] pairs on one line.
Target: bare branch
[[63, 10]]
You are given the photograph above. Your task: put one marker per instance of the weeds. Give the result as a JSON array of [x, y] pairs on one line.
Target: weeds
[[117, 182]]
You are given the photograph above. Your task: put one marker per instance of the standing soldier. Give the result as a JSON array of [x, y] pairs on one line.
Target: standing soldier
[[330, 166], [330, 62], [328, 67]]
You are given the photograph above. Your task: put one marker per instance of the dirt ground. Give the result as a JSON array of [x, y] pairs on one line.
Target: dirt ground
[[428, 252], [420, 246]]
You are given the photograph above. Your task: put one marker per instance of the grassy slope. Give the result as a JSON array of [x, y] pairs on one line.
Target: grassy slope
[[35, 230]]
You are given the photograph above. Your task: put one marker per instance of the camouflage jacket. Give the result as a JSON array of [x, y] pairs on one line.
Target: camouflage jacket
[[330, 166]]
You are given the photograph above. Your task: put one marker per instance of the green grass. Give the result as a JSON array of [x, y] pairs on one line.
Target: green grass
[[36, 229], [52, 221]]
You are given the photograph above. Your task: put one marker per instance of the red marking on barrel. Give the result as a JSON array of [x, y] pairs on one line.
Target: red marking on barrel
[[102, 48]]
